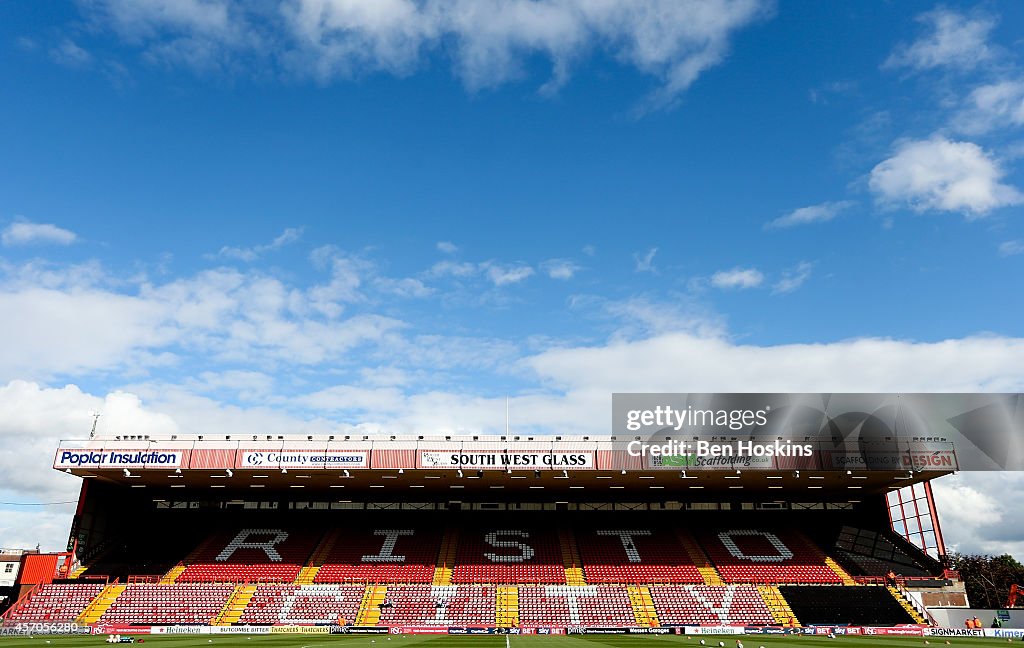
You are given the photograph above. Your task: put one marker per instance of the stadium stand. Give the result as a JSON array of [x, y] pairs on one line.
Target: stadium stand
[[745, 555], [508, 555], [139, 553], [876, 553], [707, 605], [299, 604], [431, 605], [863, 605], [561, 605], [55, 603], [253, 555], [379, 555], [377, 571], [508, 531], [635, 555], [168, 604]]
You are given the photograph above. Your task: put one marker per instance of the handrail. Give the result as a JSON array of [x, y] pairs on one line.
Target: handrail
[[20, 600], [913, 602]]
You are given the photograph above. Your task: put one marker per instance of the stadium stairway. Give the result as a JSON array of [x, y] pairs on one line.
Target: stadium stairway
[[446, 558], [308, 573], [369, 608], [92, 613], [828, 561], [842, 573], [506, 611], [235, 606], [782, 614], [78, 571], [571, 559], [643, 606], [699, 558], [906, 605], [171, 576]]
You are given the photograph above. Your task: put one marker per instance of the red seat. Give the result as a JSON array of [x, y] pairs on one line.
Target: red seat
[[254, 555], [635, 555], [766, 556], [710, 605], [55, 603]]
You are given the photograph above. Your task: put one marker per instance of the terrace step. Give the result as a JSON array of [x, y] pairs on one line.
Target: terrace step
[[446, 558], [643, 606], [700, 559], [906, 605], [571, 559], [369, 608], [842, 573], [506, 612], [778, 606], [94, 611], [171, 576], [235, 606]]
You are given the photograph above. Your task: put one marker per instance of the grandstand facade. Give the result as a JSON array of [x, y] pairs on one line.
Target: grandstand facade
[[493, 533]]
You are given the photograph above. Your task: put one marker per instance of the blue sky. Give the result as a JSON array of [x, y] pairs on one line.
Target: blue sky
[[310, 215]]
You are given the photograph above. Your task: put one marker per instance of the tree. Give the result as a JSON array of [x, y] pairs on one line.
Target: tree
[[988, 578]]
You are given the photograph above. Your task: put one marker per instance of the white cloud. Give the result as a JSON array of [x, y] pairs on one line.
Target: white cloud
[[201, 34], [942, 175], [347, 273], [503, 275], [384, 376], [347, 397], [992, 106], [640, 317], [717, 364], [222, 314], [243, 385], [820, 213], [447, 247], [978, 512], [453, 269], [952, 40], [563, 269], [34, 418], [146, 18], [737, 278], [1011, 248], [250, 254], [823, 94], [499, 274], [793, 278], [29, 526], [406, 287], [23, 232], [489, 42], [79, 330], [70, 54], [570, 393], [645, 263]]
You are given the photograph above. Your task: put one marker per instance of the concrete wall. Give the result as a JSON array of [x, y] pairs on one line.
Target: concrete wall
[[955, 617]]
